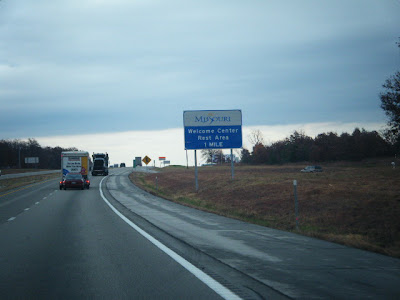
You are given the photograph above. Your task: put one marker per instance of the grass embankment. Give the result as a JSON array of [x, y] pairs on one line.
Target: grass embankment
[[18, 171], [13, 183], [356, 204]]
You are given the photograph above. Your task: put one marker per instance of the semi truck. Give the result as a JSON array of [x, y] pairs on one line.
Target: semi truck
[[75, 162], [100, 164], [137, 161]]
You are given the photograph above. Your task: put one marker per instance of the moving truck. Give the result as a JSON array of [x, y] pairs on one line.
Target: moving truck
[[75, 162]]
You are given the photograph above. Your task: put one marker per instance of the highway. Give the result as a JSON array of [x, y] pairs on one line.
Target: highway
[[117, 241], [58, 244]]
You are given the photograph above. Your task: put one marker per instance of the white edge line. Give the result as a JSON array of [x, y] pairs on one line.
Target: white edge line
[[206, 279]]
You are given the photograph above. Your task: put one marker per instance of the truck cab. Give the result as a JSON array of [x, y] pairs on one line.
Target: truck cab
[[100, 164]]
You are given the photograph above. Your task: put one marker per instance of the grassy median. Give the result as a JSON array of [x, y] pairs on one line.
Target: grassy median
[[356, 204], [13, 183]]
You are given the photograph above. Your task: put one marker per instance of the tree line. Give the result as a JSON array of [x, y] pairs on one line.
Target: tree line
[[14, 152], [359, 145]]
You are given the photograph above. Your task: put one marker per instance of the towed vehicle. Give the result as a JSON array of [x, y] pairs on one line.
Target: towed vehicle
[[74, 180], [312, 169]]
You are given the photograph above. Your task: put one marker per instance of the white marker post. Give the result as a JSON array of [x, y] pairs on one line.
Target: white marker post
[[296, 204]]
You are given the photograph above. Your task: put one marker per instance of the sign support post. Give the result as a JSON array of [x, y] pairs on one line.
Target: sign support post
[[147, 160], [232, 166], [196, 171]]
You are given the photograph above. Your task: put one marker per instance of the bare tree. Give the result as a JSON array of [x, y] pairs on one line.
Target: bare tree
[[390, 103], [209, 154], [256, 137]]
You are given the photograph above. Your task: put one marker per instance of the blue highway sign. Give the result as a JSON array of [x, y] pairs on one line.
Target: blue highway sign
[[212, 129]]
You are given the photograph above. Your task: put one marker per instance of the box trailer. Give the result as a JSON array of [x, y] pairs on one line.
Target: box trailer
[[75, 162]]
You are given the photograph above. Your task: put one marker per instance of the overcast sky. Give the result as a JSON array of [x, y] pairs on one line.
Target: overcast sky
[[103, 67]]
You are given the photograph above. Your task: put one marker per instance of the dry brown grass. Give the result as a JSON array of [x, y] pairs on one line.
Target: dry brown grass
[[17, 171], [356, 204], [13, 183]]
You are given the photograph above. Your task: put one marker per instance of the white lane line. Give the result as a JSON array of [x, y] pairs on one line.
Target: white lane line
[[37, 203], [26, 209], [206, 279], [11, 219]]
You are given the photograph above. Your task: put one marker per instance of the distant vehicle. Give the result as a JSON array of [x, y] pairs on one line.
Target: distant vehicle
[[74, 180], [100, 164], [75, 162], [122, 165], [312, 169], [137, 161], [115, 165]]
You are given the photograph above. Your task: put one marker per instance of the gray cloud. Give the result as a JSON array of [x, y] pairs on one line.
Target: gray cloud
[[136, 65]]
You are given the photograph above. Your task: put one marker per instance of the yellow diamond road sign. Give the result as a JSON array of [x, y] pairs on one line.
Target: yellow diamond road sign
[[146, 160]]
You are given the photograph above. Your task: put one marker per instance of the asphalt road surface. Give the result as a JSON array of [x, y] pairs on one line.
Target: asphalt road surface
[[58, 244], [117, 241]]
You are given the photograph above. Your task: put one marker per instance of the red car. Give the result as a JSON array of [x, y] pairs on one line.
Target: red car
[[74, 180]]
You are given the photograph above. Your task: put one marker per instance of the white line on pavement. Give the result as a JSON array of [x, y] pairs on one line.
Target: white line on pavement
[[206, 279]]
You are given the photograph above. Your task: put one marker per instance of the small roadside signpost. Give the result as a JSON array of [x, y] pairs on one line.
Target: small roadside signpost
[[212, 129], [146, 160], [162, 159]]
